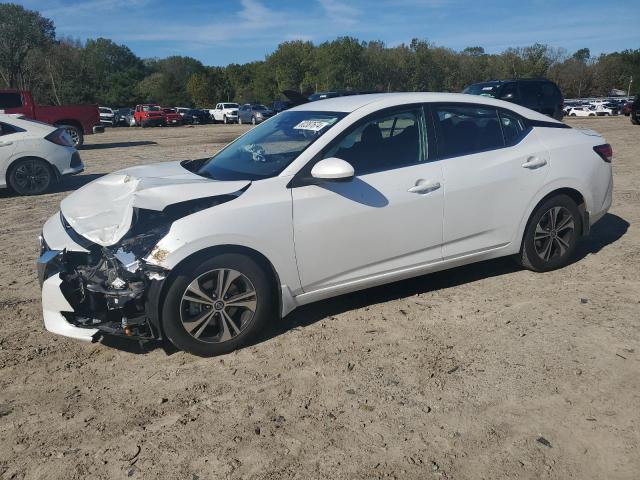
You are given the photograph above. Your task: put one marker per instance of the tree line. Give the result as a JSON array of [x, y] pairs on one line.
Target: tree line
[[65, 71]]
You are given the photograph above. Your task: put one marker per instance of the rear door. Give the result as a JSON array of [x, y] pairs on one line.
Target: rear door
[[387, 219], [493, 165]]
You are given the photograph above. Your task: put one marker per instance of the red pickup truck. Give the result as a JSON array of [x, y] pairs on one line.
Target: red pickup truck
[[78, 120]]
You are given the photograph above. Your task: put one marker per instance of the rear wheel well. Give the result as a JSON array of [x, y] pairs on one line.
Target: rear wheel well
[[263, 261], [576, 196], [72, 123]]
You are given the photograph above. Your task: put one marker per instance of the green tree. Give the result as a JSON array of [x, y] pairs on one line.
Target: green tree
[[22, 32], [208, 88]]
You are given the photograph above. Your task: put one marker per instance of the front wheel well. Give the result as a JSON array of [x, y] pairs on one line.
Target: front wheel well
[[217, 250], [54, 171]]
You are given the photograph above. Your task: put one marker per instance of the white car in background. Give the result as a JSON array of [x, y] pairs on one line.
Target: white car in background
[[326, 198], [34, 155], [582, 111], [605, 110], [225, 113], [106, 116]]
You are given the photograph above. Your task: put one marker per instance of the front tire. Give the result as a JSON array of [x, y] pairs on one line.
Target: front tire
[[552, 234], [30, 176], [217, 305]]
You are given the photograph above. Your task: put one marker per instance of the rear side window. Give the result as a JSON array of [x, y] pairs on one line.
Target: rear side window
[[10, 100], [530, 91], [463, 130], [549, 90], [513, 128], [6, 129]]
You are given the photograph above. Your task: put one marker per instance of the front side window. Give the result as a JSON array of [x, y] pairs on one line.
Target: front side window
[[463, 130], [269, 148], [488, 89], [509, 91], [390, 140]]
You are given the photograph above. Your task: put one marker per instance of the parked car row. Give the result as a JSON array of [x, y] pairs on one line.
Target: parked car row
[[153, 114], [593, 108]]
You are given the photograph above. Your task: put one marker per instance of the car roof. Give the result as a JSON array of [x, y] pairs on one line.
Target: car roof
[[352, 103]]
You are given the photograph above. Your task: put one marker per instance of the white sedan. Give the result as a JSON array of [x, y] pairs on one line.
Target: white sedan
[[583, 111], [323, 199], [34, 155]]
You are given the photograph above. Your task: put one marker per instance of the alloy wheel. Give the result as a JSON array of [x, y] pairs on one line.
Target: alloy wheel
[[554, 233], [73, 133], [218, 305], [31, 177]]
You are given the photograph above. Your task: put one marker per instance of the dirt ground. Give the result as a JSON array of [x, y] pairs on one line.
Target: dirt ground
[[482, 372]]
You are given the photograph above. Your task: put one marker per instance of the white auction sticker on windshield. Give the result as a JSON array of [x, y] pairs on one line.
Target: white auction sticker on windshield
[[313, 125]]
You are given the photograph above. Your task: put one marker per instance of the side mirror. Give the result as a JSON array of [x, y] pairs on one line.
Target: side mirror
[[333, 169]]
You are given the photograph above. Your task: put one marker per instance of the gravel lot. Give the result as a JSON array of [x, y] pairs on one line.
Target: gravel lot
[[485, 371]]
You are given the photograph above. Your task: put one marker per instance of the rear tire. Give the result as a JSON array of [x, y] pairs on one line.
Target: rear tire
[[634, 121], [30, 176], [75, 133], [193, 298], [551, 235]]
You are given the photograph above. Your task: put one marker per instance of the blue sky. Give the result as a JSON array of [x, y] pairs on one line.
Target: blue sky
[[219, 32]]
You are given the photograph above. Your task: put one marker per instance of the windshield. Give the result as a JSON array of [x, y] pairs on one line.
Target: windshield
[[485, 89], [169, 110], [230, 105], [269, 148], [259, 108], [150, 108]]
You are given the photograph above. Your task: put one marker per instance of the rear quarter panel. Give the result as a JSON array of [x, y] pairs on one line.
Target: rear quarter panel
[[573, 164]]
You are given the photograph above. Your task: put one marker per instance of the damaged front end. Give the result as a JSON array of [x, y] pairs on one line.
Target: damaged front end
[[92, 267], [111, 289]]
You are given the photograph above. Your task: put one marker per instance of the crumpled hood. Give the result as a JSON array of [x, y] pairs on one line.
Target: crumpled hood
[[102, 210]]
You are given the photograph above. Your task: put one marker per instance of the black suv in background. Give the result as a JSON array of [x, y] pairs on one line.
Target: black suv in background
[[540, 95], [634, 113]]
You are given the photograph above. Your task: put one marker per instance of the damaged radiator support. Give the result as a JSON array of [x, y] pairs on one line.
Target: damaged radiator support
[[108, 291]]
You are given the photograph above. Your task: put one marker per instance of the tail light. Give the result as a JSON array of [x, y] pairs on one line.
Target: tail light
[[605, 151], [60, 137]]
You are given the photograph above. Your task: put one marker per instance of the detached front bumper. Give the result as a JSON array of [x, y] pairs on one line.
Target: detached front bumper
[[81, 299]]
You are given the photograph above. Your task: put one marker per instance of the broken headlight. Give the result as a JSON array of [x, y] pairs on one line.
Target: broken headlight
[[149, 226]]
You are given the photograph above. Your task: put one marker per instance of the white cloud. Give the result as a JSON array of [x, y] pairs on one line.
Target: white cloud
[[340, 12]]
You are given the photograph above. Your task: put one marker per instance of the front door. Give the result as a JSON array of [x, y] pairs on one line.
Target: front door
[[387, 219]]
